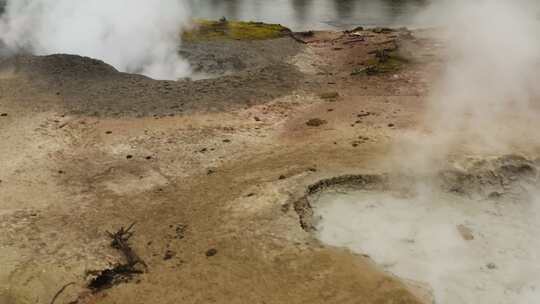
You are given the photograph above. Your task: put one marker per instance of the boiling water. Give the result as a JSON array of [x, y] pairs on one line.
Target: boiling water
[[468, 251]]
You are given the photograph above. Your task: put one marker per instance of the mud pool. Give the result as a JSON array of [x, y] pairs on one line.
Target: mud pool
[[467, 251]]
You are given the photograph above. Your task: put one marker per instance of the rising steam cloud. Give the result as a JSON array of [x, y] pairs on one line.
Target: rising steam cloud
[[492, 70], [485, 100], [135, 36]]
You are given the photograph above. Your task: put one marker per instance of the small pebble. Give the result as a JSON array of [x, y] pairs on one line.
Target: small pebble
[[211, 252], [169, 254]]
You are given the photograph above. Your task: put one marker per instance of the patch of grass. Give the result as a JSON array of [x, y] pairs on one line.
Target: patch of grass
[[234, 30], [388, 63]]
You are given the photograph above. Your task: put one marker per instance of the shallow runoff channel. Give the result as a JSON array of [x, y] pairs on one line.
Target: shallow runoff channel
[[467, 250]]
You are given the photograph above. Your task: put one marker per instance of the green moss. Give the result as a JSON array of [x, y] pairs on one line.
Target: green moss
[[234, 30], [390, 62]]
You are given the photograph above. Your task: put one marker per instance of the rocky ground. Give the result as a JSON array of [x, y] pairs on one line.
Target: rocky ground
[[208, 170]]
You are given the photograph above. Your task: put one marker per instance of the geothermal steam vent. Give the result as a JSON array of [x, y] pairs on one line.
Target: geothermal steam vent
[[472, 235]]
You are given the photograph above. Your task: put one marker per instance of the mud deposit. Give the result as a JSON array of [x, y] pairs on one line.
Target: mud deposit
[[211, 171], [466, 236], [203, 167]]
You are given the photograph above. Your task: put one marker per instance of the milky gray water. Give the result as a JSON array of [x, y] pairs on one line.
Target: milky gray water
[[313, 14]]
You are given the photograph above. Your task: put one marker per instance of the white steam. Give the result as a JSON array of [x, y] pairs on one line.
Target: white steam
[[492, 72], [486, 101], [135, 36]]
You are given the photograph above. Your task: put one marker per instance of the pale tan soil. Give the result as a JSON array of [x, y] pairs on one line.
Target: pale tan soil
[[65, 180]]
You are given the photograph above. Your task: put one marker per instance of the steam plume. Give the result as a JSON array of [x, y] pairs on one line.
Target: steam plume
[[136, 36], [486, 100]]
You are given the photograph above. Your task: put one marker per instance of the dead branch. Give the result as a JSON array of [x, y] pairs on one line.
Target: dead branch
[[61, 291], [122, 272], [120, 241]]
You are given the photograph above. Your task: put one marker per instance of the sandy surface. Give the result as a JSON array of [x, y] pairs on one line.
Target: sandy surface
[[198, 165]]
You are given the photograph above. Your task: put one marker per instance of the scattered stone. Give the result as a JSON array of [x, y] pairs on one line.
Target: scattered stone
[[180, 231], [169, 254], [3, 114], [382, 30], [148, 157], [108, 132], [329, 95], [494, 195], [129, 156], [281, 177], [61, 172], [363, 114], [391, 125], [250, 194], [330, 110], [226, 140], [257, 118], [491, 266], [203, 150], [210, 171], [211, 252], [466, 232], [315, 122], [312, 169], [305, 34]]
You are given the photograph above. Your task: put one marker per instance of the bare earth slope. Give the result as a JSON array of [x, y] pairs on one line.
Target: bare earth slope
[[207, 169]]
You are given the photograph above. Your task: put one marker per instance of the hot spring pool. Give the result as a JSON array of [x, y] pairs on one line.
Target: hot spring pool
[[467, 250]]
